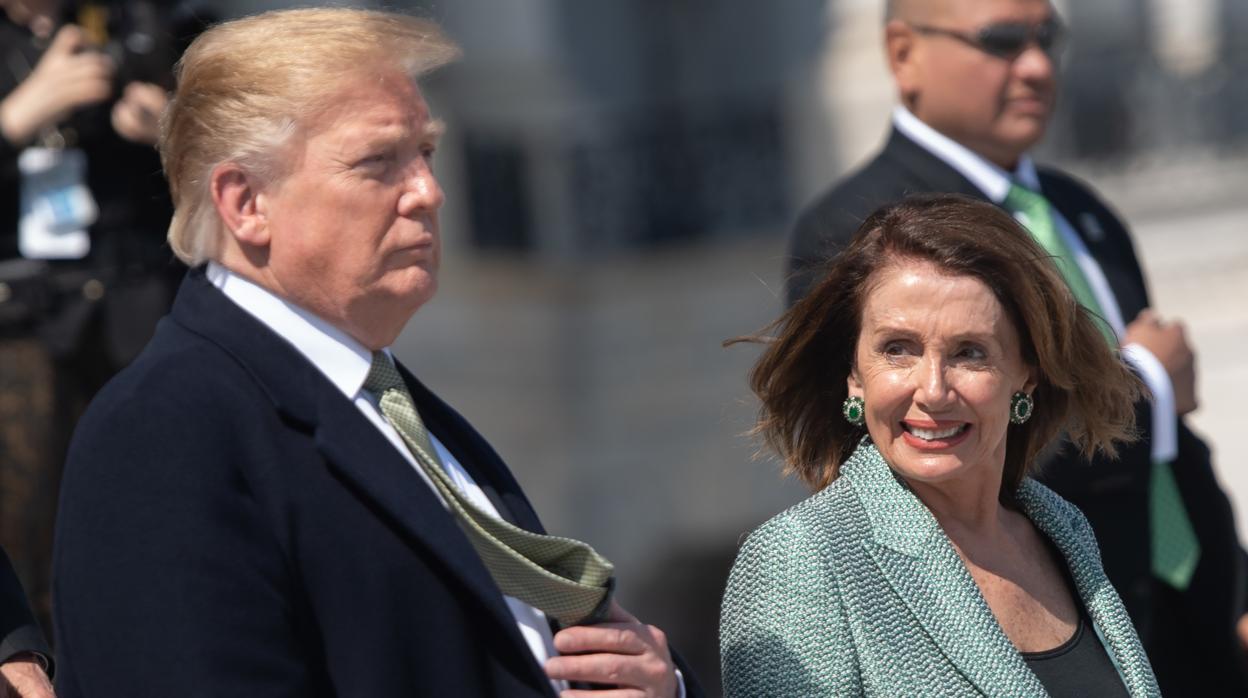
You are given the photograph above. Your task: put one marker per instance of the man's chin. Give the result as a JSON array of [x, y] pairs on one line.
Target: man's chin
[[1022, 133]]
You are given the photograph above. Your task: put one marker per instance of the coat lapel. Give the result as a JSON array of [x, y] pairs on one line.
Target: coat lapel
[[1103, 236], [368, 462], [353, 448], [925, 172], [923, 569], [475, 454], [1073, 537]]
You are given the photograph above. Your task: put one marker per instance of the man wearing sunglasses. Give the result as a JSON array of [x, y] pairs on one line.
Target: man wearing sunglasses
[[977, 81]]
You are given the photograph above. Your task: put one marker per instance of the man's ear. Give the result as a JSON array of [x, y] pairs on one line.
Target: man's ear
[[239, 202], [899, 49]]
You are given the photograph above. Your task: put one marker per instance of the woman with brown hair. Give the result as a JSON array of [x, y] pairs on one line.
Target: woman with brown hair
[[913, 390]]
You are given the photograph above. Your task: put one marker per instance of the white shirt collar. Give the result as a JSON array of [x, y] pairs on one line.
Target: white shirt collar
[[986, 176], [341, 358]]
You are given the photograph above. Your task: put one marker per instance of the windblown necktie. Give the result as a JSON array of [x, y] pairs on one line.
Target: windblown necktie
[[564, 578], [1175, 549]]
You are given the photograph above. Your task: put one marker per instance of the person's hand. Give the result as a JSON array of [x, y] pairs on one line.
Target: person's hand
[[623, 653], [24, 678], [136, 116], [68, 77], [1241, 629], [1168, 342]]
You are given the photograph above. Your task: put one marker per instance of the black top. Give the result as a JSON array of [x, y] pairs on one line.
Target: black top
[[1079, 667]]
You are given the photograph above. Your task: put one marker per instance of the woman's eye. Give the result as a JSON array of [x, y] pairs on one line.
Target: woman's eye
[[973, 353], [894, 349]]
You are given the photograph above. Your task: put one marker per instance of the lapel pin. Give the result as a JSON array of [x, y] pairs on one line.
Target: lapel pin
[[1091, 227]]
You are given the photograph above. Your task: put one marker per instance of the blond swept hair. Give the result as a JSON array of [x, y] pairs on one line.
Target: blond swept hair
[[246, 86]]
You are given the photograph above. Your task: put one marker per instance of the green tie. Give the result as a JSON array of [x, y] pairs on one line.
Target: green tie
[[1039, 220], [1175, 549], [565, 578]]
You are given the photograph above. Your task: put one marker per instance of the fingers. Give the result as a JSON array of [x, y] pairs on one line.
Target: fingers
[[136, 116], [90, 84], [69, 39], [610, 693], [88, 66], [127, 122], [624, 654], [623, 638], [146, 96], [647, 673], [68, 77], [72, 80], [25, 679]]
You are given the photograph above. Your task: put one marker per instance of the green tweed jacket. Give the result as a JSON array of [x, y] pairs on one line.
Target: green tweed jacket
[[857, 592]]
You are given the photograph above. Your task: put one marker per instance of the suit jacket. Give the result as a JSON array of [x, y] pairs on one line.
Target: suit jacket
[[857, 592], [1114, 493], [231, 525]]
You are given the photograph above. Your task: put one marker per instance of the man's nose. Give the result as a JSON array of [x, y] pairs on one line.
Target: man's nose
[[1034, 63], [421, 191]]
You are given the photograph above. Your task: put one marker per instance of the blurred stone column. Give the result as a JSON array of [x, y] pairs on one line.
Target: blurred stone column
[[856, 89]]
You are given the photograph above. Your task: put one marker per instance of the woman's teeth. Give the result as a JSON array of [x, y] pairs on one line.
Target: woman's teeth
[[934, 434]]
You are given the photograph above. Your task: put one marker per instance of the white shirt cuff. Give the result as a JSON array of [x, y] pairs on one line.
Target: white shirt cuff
[[680, 684], [1165, 435]]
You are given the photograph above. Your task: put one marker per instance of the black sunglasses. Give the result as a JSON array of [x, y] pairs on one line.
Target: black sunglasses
[[1007, 39]]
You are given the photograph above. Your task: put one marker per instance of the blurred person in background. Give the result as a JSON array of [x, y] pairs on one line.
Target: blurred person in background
[[913, 389], [266, 502], [84, 269], [977, 80]]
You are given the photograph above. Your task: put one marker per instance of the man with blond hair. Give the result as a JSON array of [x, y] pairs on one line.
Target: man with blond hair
[[266, 503], [977, 84]]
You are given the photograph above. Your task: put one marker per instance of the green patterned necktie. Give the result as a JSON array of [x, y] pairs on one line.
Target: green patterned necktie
[[1175, 549], [564, 578], [1043, 227]]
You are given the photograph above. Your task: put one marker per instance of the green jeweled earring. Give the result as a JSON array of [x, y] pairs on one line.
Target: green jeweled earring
[[1021, 407], [854, 410]]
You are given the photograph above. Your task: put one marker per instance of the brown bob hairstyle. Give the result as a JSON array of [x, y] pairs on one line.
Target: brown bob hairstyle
[[1083, 387]]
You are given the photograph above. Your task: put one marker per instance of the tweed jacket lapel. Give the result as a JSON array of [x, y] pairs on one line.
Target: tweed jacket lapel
[[923, 568], [1066, 526]]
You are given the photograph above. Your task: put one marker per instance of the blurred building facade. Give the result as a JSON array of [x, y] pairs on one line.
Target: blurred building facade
[[620, 178]]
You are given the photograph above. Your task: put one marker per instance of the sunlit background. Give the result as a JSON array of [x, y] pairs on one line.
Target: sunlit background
[[621, 176]]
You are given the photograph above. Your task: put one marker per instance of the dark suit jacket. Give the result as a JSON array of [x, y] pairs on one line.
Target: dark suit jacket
[[1114, 494], [231, 525]]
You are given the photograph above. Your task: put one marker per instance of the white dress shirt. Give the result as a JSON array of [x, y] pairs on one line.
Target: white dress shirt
[[345, 362], [995, 183]]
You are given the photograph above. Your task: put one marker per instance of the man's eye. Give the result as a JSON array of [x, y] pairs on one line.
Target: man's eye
[[377, 159]]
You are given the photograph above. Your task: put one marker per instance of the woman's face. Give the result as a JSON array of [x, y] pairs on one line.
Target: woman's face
[[937, 362]]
